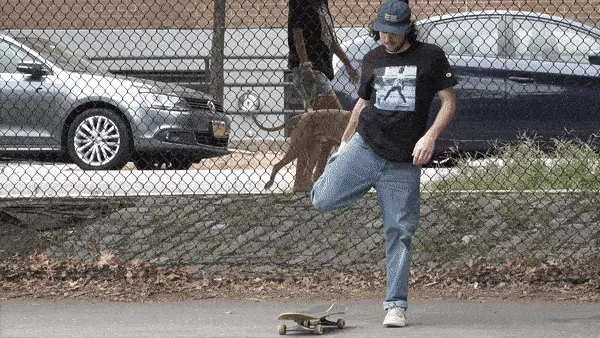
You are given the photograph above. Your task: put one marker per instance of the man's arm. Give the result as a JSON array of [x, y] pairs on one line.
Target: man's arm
[[424, 148], [353, 122]]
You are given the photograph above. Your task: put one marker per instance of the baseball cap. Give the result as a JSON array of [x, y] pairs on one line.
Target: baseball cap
[[393, 17]]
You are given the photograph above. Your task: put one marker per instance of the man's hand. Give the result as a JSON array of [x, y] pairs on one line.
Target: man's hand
[[354, 73], [423, 150], [426, 145], [342, 146]]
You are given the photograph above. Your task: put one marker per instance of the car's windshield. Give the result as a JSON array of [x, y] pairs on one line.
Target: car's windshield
[[61, 57]]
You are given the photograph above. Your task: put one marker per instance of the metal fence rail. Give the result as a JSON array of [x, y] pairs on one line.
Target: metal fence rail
[[98, 157]]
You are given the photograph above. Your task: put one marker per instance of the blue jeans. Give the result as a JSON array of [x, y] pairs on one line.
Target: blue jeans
[[349, 175]]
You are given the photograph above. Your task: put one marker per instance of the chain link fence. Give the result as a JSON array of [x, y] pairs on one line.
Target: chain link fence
[[129, 127]]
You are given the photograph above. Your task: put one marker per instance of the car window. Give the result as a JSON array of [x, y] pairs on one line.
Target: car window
[[474, 37], [60, 56], [546, 41], [10, 57]]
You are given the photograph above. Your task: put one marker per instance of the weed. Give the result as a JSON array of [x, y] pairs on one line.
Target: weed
[[571, 165]]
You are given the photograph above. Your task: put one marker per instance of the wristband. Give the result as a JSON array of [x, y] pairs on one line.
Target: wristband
[[306, 64]]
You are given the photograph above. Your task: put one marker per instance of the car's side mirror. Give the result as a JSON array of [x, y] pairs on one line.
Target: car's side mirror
[[35, 69], [594, 57]]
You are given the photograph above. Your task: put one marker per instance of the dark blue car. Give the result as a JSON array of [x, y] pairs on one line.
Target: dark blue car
[[518, 72]]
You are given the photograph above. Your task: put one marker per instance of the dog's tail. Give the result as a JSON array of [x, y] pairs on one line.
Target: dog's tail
[[291, 122]]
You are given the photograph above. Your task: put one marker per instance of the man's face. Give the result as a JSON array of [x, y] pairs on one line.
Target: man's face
[[392, 42]]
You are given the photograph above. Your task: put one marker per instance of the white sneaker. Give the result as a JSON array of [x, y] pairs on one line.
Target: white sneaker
[[396, 317]]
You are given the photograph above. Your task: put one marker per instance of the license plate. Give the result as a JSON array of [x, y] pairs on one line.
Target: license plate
[[220, 129]]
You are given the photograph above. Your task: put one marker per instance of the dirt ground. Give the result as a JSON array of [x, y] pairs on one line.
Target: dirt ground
[[262, 290], [237, 160], [242, 160], [108, 278], [336, 288]]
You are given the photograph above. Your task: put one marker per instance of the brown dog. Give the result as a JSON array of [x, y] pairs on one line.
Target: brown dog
[[314, 135]]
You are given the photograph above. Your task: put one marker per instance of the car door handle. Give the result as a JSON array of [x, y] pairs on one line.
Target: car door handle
[[519, 79]]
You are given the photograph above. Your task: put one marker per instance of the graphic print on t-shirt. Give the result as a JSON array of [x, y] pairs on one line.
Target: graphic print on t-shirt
[[396, 88]]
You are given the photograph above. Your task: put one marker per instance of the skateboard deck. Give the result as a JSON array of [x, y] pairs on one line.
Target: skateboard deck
[[315, 319]]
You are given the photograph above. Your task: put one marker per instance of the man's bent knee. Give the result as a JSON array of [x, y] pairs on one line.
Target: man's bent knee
[[318, 199]]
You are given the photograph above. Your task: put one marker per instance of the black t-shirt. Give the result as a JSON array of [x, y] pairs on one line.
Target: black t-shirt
[[315, 20], [400, 88]]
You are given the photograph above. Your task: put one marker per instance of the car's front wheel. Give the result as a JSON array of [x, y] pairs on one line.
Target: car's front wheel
[[99, 139]]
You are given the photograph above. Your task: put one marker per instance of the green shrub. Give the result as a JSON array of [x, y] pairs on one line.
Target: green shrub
[[569, 165]]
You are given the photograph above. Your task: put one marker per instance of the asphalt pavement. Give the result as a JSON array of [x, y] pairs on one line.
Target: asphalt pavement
[[226, 318]]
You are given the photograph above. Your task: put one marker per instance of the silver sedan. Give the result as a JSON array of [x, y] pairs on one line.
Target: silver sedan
[[58, 106]]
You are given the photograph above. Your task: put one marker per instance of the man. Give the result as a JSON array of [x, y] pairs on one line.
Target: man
[[385, 147], [312, 43]]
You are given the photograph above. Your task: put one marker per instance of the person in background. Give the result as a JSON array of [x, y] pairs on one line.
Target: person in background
[[312, 44]]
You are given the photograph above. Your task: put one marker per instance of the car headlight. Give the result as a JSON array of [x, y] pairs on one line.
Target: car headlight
[[165, 101]]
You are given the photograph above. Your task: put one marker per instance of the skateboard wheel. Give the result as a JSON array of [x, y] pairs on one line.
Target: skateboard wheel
[[282, 329], [319, 329], [340, 323]]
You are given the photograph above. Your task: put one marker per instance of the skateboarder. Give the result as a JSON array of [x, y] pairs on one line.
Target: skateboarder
[[385, 149], [398, 85]]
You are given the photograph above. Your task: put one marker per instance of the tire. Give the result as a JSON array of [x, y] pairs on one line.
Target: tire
[[319, 329], [99, 139], [145, 163]]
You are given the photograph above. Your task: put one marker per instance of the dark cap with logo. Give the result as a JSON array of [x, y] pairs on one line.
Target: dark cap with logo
[[393, 17]]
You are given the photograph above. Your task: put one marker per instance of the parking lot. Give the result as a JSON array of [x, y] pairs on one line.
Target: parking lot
[[24, 180]]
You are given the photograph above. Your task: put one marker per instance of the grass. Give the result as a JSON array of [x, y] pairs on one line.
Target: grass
[[570, 165]]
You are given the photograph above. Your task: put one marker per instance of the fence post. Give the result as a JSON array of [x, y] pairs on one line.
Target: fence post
[[217, 50]]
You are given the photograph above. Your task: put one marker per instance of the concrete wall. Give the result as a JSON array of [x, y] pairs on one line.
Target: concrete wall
[[188, 14]]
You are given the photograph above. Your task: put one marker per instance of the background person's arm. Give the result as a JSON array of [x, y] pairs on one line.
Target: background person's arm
[[300, 46], [352, 71]]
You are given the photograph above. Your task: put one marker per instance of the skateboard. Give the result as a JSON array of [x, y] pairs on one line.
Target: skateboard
[[314, 319]]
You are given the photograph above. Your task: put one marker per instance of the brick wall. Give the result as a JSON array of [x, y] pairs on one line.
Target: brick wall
[[71, 14]]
